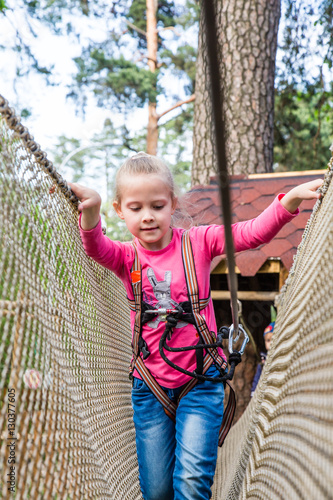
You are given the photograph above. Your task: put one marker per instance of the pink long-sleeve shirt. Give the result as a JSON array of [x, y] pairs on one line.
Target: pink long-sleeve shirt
[[164, 284]]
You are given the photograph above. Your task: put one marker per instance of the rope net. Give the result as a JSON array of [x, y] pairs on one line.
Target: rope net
[[65, 410], [65, 318], [282, 447]]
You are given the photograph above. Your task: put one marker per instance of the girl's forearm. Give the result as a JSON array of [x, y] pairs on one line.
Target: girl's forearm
[[290, 202], [90, 218], [306, 191]]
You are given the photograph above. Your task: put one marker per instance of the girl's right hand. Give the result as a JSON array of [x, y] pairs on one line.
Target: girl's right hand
[[90, 204]]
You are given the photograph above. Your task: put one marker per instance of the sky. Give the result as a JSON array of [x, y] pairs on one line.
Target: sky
[[52, 113]]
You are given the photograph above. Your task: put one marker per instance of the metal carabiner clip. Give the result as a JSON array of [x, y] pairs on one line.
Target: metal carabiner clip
[[233, 340]]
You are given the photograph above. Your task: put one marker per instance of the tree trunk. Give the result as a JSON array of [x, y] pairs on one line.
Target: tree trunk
[[247, 35], [152, 129], [152, 46]]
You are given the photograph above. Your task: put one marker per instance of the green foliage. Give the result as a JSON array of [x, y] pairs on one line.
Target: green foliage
[[303, 97], [303, 127], [325, 39], [116, 69], [112, 65], [76, 163], [119, 78], [190, 15], [3, 6], [182, 61], [307, 41], [53, 12], [25, 113]]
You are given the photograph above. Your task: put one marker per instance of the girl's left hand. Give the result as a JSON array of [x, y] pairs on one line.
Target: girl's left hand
[[306, 191]]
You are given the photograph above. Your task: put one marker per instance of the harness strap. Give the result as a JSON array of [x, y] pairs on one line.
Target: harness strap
[[211, 355], [136, 276], [228, 415], [203, 303], [193, 291], [169, 406]]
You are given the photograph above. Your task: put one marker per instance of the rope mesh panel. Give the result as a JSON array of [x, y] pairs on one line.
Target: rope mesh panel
[[282, 447], [66, 317]]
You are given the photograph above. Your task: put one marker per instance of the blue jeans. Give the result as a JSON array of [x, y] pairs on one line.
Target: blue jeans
[[177, 460]]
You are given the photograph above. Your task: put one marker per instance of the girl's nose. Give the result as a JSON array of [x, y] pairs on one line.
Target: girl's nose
[[147, 216]]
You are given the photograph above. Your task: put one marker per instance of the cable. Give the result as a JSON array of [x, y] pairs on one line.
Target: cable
[[208, 13]]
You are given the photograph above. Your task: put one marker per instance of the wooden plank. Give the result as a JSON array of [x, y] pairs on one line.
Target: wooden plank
[[225, 295], [270, 266], [299, 173]]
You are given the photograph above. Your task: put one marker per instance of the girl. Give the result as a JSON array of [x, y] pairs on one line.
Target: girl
[[176, 457]]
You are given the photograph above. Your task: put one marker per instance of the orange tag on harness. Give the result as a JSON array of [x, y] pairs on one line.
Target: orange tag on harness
[[136, 276]]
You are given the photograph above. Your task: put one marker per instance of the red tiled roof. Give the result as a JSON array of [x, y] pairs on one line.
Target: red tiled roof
[[249, 197]]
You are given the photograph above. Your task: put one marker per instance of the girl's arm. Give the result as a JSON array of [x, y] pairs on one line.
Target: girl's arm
[[255, 232], [108, 253], [306, 191], [90, 204], [262, 229]]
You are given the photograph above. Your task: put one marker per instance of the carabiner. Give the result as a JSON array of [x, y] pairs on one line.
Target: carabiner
[[233, 340]]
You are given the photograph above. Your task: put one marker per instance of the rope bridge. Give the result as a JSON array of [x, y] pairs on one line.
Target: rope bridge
[[65, 412]]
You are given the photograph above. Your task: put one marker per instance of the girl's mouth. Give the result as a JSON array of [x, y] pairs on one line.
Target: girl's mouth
[[149, 229]]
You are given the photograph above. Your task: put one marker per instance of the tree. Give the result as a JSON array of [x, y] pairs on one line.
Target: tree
[[303, 128], [247, 36], [303, 105], [117, 80], [303, 90], [134, 64]]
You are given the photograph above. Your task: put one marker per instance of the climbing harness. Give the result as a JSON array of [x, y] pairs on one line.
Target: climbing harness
[[188, 311]]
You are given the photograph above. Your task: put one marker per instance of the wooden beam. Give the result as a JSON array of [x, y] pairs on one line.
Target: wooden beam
[[270, 266], [273, 175], [225, 295]]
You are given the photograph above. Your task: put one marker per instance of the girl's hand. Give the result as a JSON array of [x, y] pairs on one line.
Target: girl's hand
[[90, 204], [306, 191]]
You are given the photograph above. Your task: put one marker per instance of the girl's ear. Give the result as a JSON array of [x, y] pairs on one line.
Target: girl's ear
[[117, 208]]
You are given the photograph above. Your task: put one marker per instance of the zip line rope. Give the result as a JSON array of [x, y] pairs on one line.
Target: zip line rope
[[208, 13]]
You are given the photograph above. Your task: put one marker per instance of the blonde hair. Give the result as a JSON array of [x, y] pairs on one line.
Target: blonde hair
[[143, 163]]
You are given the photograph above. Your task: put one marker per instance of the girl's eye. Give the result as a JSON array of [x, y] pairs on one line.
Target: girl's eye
[[159, 207], [135, 209]]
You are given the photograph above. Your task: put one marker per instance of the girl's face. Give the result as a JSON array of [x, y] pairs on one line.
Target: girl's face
[[146, 207], [268, 339]]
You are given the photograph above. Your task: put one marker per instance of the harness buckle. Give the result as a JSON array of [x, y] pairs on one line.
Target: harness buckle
[[143, 348]]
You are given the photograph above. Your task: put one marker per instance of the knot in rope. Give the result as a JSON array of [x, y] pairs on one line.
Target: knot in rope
[[235, 357]]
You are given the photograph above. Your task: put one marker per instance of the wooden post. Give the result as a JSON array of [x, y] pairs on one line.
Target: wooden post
[[283, 275]]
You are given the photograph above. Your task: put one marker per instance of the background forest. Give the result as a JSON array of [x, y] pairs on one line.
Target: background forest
[[143, 63]]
